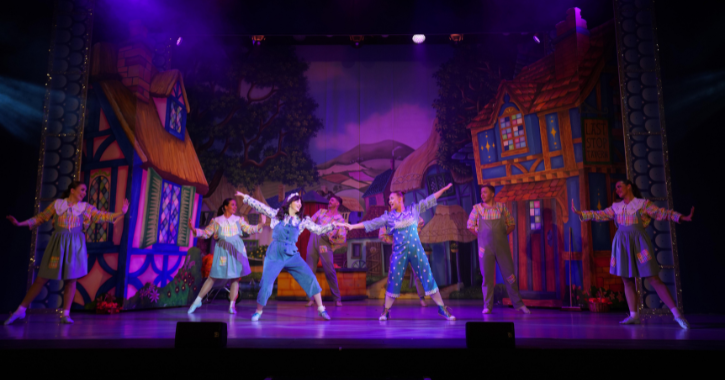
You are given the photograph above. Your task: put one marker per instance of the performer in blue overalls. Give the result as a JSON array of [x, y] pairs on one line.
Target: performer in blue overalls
[[282, 253], [403, 225]]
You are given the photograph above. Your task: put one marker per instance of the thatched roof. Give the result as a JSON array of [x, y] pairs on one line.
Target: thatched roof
[[448, 224], [372, 213], [172, 158], [411, 173]]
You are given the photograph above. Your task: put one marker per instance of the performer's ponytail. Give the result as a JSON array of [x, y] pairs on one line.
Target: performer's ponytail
[[224, 205]]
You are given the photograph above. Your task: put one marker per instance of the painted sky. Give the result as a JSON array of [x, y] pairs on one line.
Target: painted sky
[[372, 94]]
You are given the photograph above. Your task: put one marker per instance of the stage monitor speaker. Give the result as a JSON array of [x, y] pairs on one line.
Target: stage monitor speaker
[[490, 335], [201, 335]]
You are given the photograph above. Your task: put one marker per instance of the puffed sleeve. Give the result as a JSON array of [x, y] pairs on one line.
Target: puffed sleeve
[[472, 223], [374, 224], [316, 228], [260, 207], [42, 217], [428, 202], [659, 213], [210, 230], [94, 215], [249, 229], [507, 217], [597, 216]]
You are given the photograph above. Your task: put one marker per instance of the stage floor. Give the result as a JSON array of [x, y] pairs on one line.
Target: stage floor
[[355, 325]]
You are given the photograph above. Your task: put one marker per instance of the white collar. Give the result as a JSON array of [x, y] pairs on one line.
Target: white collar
[[635, 203], [232, 219], [61, 205]]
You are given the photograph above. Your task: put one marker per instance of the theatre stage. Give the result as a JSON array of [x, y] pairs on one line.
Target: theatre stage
[[355, 325]]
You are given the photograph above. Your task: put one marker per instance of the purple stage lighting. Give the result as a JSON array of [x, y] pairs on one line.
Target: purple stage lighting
[[418, 38], [178, 41], [536, 38]]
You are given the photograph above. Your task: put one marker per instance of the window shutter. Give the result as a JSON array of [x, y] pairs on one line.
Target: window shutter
[[153, 204], [185, 210]]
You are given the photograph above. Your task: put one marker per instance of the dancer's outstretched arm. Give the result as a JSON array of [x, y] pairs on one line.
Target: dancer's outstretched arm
[[318, 229], [659, 213], [595, 215], [249, 229], [259, 206]]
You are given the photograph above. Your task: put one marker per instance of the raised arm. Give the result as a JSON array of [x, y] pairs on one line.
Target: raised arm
[[597, 216], [659, 213], [259, 206], [431, 200]]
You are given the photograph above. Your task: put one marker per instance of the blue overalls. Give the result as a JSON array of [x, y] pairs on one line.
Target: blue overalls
[[282, 253]]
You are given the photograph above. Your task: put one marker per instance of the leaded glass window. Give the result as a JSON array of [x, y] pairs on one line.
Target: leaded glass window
[[99, 196], [513, 132], [176, 113], [535, 217], [169, 213]]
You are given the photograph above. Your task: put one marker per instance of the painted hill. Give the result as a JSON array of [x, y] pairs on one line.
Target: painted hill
[[366, 152]]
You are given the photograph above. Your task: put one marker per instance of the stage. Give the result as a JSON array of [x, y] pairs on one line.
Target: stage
[[355, 325]]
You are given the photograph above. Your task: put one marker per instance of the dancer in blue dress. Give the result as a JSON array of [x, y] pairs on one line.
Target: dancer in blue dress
[[402, 223], [632, 254], [230, 256], [282, 253]]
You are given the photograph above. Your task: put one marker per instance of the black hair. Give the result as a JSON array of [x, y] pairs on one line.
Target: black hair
[[284, 208], [73, 185], [490, 187], [635, 189], [339, 200], [226, 202]]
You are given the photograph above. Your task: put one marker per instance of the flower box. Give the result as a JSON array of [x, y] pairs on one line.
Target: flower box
[[599, 305]]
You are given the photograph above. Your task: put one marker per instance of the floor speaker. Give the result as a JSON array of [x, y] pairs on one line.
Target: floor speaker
[[201, 335], [490, 335]]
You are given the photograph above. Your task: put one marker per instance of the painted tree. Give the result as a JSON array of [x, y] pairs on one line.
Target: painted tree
[[253, 117], [466, 83]]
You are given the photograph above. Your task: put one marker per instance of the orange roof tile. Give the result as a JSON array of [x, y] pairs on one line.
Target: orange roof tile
[[535, 88]]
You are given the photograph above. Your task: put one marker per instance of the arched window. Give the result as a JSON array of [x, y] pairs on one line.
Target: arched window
[[99, 195], [513, 132], [176, 113]]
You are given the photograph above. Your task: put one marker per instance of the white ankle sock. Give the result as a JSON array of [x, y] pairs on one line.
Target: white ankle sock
[[231, 304], [320, 308], [676, 312], [634, 314], [20, 309], [66, 313], [197, 300]]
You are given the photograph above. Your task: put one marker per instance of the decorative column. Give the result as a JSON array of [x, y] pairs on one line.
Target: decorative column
[[63, 121], [645, 137]]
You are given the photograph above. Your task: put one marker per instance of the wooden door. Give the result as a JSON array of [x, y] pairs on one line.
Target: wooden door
[[534, 245]]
